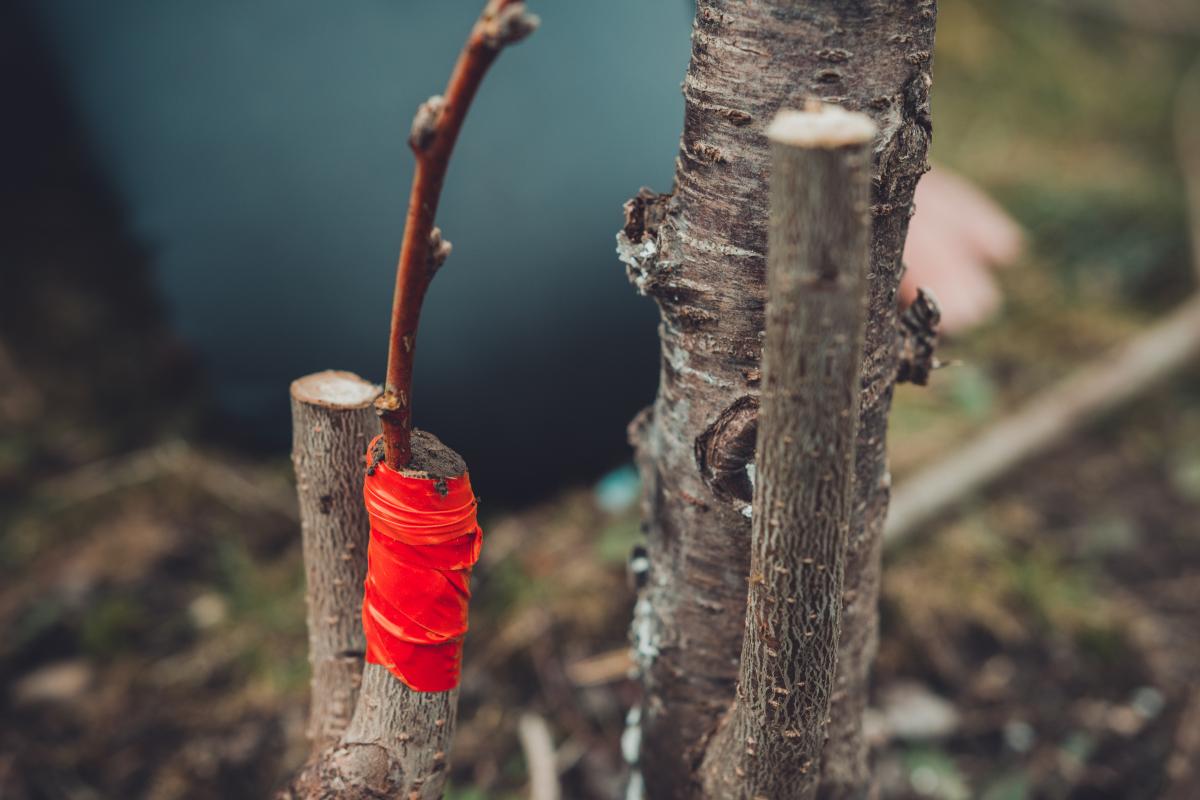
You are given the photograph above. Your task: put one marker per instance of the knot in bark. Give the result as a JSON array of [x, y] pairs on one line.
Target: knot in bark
[[726, 448]]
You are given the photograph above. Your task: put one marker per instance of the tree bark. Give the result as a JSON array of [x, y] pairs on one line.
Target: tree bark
[[397, 746], [770, 744], [333, 420], [397, 743], [700, 253]]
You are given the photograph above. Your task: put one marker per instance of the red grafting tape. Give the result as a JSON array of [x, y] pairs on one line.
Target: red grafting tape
[[424, 541]]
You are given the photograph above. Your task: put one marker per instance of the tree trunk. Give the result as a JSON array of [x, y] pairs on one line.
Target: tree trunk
[[397, 746], [700, 253], [333, 420], [373, 737], [770, 744]]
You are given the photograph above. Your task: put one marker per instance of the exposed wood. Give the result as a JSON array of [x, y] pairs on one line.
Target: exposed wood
[[435, 130], [333, 420], [700, 253], [769, 745]]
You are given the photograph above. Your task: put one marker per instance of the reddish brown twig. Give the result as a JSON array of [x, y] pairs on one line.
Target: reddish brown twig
[[434, 132]]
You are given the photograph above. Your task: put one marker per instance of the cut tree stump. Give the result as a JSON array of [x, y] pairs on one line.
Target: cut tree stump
[[333, 420]]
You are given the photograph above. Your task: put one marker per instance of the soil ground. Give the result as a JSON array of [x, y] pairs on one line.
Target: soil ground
[[1038, 641]]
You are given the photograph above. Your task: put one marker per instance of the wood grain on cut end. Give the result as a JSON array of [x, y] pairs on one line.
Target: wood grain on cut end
[[335, 389], [821, 126], [432, 459]]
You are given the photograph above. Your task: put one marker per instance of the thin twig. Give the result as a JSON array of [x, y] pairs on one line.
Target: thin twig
[[434, 132]]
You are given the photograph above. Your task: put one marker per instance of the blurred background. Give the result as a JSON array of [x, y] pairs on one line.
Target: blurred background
[[201, 202]]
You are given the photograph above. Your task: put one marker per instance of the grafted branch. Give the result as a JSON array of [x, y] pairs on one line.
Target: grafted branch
[[397, 741], [434, 132], [769, 745], [373, 736]]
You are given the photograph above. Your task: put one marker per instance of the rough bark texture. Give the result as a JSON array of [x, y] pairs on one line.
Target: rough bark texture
[[397, 746], [701, 254], [332, 421], [397, 743], [770, 744]]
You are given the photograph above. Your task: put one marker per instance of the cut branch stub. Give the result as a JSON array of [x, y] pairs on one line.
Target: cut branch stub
[[332, 422], [397, 744], [817, 261]]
